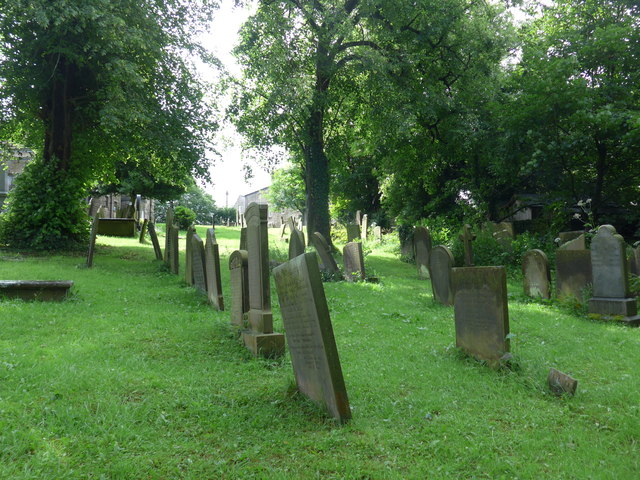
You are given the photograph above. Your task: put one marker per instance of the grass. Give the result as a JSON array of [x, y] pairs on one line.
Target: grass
[[136, 377]]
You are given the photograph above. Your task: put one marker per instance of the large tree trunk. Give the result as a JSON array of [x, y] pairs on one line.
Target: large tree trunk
[[57, 114]]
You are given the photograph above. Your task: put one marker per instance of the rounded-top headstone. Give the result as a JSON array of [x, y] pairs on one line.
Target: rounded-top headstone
[[440, 263], [609, 264], [536, 274]]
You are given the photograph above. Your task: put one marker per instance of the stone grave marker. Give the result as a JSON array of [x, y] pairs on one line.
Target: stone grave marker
[[324, 252], [92, 238], [610, 277], [243, 238], [154, 241], [174, 251], [536, 274], [188, 258], [197, 264], [406, 245], [503, 232], [568, 236], [39, 290], [353, 262], [310, 337], [573, 272], [358, 217], [481, 312], [143, 230], [422, 245], [364, 227], [441, 263], [296, 244], [467, 238], [353, 232], [577, 243], [634, 260], [212, 270], [239, 273], [167, 228], [561, 383], [377, 233], [260, 339]]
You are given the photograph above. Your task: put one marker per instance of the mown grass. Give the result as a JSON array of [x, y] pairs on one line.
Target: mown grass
[[136, 376]]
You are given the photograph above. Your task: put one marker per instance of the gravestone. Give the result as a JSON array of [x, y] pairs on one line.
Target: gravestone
[[536, 274], [260, 339], [324, 251], [406, 245], [92, 238], [239, 274], [296, 244], [634, 260], [117, 227], [422, 245], [197, 264], [364, 227], [577, 243], [441, 263], [283, 229], [243, 238], [174, 251], [358, 217], [310, 337], [143, 231], [573, 272], [568, 236], [353, 232], [377, 233], [467, 238], [481, 312], [154, 240], [503, 233], [353, 262], [212, 270], [40, 290], [167, 228], [610, 277], [188, 258], [561, 383]]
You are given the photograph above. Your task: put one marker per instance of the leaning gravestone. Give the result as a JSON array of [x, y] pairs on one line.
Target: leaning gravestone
[[167, 229], [481, 312], [610, 277], [154, 240], [260, 339], [573, 272], [324, 251], [422, 245], [364, 227], [353, 232], [197, 264], [577, 243], [212, 270], [239, 273], [441, 263], [536, 274], [310, 337], [467, 238], [188, 264], [353, 262], [92, 238], [143, 230], [296, 244]]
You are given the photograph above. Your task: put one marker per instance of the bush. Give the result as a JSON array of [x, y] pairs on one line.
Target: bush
[[184, 217]]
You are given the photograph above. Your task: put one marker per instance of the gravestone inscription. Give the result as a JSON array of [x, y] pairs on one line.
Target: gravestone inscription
[[536, 274], [310, 336], [441, 263]]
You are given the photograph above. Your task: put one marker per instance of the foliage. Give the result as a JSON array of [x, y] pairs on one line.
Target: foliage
[[224, 215], [287, 190], [184, 217], [94, 83], [46, 210], [201, 203]]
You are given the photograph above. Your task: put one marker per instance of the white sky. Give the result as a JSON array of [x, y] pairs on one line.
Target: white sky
[[227, 173]]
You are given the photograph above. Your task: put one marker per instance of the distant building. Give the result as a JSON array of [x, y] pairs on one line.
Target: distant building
[[10, 167], [276, 218]]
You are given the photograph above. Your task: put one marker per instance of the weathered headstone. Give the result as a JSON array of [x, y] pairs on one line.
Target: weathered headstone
[[212, 269], [296, 244], [239, 273], [143, 230], [406, 245], [441, 263], [243, 238], [260, 338], [610, 277], [310, 337], [188, 264], [536, 274], [561, 383], [358, 217], [503, 233], [353, 262], [197, 264], [573, 272], [467, 238], [377, 233], [324, 251], [577, 243], [353, 232], [174, 251], [422, 245], [92, 238], [568, 236], [634, 261], [364, 227], [481, 312], [167, 228], [154, 240]]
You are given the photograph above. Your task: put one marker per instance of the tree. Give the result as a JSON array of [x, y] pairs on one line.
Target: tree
[[196, 200], [95, 82], [287, 190]]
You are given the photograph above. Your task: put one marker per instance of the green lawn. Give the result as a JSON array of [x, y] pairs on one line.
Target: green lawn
[[136, 376]]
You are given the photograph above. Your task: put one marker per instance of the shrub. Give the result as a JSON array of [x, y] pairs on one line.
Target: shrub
[[184, 217]]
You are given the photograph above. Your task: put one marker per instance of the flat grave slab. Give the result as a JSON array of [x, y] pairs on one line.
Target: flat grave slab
[[42, 290]]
